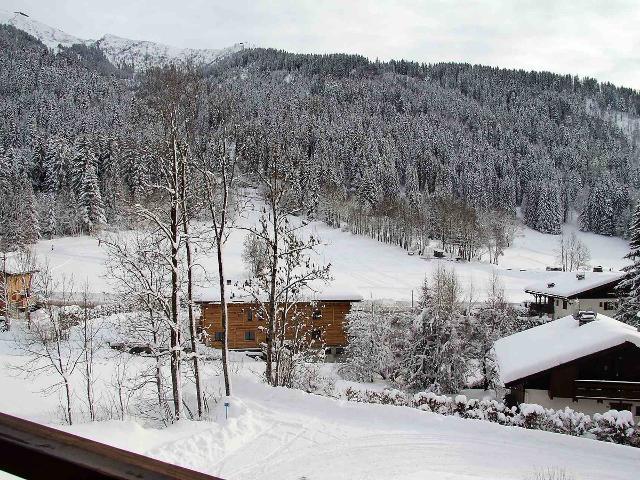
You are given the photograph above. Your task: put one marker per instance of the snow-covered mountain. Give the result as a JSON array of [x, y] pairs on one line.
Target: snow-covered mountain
[[118, 50]]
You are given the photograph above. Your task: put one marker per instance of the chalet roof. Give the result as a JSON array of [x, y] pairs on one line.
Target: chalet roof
[[235, 295], [568, 284], [557, 342]]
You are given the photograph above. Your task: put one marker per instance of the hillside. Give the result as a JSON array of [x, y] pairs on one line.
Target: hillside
[[398, 151]]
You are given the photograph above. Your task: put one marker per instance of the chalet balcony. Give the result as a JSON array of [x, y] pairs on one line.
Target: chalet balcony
[[540, 308], [607, 390]]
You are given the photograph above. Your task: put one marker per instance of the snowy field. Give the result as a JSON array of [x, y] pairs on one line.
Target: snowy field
[[276, 433], [361, 264]]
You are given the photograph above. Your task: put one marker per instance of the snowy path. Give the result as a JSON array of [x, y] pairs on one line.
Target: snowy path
[[286, 434]]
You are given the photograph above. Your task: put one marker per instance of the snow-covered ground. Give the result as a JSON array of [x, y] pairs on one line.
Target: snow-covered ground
[[288, 434], [360, 264]]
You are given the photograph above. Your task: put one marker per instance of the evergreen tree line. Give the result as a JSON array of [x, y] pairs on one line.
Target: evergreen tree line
[[388, 149]]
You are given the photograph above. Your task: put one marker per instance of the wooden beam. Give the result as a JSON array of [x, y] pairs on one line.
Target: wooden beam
[[34, 451]]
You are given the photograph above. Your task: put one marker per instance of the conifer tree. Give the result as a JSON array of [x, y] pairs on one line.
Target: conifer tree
[[629, 288], [92, 209]]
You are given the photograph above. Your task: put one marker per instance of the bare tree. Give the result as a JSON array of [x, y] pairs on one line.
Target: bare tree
[[572, 253], [89, 346], [47, 344], [169, 93], [219, 168], [287, 269], [141, 275]]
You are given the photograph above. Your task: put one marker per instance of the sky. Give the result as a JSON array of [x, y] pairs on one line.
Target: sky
[[593, 38]]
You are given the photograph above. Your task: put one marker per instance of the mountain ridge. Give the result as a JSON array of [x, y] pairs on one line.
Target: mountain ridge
[[119, 50]]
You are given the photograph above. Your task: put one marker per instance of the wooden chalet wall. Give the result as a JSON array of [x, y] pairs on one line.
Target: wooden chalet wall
[[18, 289], [243, 318]]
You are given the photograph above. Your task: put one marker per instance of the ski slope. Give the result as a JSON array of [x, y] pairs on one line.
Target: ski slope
[[358, 264]]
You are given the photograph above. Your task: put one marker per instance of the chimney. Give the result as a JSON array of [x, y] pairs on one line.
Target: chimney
[[551, 285], [585, 316], [580, 275]]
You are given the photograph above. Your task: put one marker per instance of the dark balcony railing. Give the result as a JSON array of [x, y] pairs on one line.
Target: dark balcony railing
[[607, 390], [33, 451]]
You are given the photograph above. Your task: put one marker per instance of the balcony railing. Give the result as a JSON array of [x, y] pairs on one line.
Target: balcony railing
[[33, 451], [540, 308], [607, 390]]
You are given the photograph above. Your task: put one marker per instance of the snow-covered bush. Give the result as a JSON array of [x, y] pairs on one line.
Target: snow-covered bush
[[531, 416], [432, 402], [569, 421], [307, 377], [616, 427], [613, 426]]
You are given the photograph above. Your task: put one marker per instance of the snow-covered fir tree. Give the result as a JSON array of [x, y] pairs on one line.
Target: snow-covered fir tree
[[437, 359], [629, 288]]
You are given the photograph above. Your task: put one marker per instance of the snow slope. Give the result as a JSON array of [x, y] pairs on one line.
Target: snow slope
[[51, 37], [360, 264], [137, 53], [280, 433]]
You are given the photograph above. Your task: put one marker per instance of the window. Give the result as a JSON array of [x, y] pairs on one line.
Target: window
[[564, 304], [316, 334], [339, 350], [316, 314], [610, 305], [249, 335], [219, 336], [249, 315]]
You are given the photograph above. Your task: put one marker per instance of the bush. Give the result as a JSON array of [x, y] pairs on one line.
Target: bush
[[612, 426], [616, 427]]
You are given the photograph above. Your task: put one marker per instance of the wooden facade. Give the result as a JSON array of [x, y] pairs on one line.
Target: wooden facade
[[16, 290], [322, 320], [601, 299], [610, 377]]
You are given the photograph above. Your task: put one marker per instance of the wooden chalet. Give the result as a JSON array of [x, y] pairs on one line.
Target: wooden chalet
[[565, 293], [588, 362], [322, 318], [15, 286]]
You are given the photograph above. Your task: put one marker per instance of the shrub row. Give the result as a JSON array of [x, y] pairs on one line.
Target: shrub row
[[613, 426]]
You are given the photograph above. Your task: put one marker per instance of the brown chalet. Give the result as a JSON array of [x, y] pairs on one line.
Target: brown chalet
[[587, 361], [15, 286], [324, 318]]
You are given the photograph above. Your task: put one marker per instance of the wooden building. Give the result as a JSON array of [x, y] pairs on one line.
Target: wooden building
[[588, 362], [15, 288], [565, 293], [322, 320]]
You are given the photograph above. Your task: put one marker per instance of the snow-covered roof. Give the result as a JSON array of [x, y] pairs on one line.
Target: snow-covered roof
[[558, 342], [569, 284], [235, 295]]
